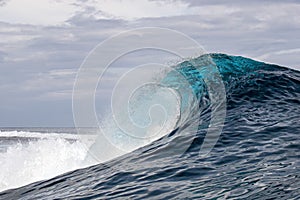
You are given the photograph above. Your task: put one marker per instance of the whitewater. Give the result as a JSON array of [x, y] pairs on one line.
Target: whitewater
[[28, 156]]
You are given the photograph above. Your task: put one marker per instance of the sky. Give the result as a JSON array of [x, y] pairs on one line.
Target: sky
[[43, 43]]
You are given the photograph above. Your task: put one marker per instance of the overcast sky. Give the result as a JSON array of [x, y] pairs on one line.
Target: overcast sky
[[43, 43]]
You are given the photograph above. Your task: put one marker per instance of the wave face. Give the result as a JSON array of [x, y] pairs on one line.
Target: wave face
[[256, 156]]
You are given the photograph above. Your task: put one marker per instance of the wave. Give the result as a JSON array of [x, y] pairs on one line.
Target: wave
[[37, 135], [256, 154], [32, 156]]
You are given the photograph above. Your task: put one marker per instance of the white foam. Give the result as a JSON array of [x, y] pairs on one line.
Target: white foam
[[41, 159], [25, 134]]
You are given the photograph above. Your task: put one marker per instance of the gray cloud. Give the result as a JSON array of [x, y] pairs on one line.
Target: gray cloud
[[38, 63], [2, 56], [3, 2]]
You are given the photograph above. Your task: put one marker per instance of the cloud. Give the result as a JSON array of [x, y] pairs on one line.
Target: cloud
[[2, 56], [53, 80], [130, 10], [136, 9], [43, 45], [3, 2], [280, 53], [53, 13], [286, 56], [41, 12]]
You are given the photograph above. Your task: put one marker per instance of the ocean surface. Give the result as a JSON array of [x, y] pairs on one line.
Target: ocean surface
[[257, 155]]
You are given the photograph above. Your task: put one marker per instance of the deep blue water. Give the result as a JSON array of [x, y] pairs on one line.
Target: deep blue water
[[256, 157]]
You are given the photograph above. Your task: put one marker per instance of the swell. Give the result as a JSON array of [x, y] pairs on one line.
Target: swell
[[256, 156]]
